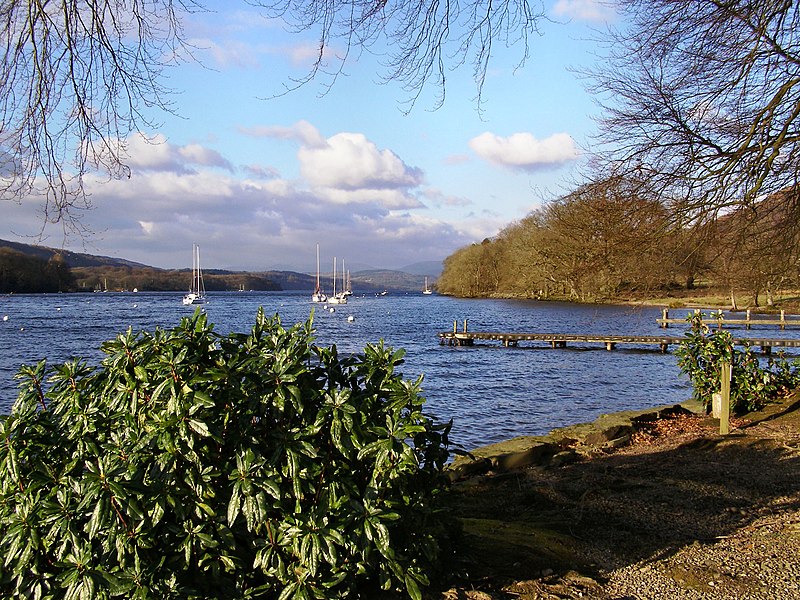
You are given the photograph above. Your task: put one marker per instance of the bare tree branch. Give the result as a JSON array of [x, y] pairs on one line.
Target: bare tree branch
[[423, 40], [704, 97], [76, 78]]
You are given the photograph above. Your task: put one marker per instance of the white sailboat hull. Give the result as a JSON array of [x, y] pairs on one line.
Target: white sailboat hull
[[192, 298]]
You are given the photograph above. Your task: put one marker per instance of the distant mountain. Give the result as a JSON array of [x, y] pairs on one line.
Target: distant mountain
[[73, 259], [91, 268], [386, 279], [432, 268]]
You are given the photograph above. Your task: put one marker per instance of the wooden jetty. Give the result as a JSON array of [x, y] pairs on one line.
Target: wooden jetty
[[720, 321], [560, 340]]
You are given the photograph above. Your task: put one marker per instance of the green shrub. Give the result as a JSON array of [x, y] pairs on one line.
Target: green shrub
[[753, 383], [192, 465]]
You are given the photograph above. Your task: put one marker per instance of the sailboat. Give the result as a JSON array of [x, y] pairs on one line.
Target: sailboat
[[427, 291], [346, 289], [197, 290], [318, 295], [339, 298]]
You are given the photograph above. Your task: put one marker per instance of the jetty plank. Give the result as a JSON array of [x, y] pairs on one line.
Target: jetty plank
[[560, 340]]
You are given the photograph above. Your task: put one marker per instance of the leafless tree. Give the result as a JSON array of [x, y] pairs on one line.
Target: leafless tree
[[76, 78], [703, 98], [420, 40]]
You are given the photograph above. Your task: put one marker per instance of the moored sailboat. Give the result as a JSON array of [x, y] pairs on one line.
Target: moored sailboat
[[197, 289], [318, 295], [339, 298]]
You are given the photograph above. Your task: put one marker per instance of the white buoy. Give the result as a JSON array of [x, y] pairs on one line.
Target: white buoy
[[5, 317], [331, 309], [351, 318], [135, 306], [59, 308]]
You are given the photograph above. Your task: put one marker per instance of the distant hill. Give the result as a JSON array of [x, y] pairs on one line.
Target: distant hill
[[99, 272], [386, 279], [432, 268], [73, 259]]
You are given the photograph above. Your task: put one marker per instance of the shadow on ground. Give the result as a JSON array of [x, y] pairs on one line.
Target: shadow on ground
[[642, 502]]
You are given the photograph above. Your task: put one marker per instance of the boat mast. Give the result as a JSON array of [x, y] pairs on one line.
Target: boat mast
[[201, 289], [317, 290]]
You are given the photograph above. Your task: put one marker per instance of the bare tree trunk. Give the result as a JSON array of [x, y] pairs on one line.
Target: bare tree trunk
[[733, 300]]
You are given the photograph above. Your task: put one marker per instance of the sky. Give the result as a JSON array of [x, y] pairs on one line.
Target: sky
[[257, 177]]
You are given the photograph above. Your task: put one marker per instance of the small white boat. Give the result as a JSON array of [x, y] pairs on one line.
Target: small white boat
[[427, 291], [197, 289], [318, 295]]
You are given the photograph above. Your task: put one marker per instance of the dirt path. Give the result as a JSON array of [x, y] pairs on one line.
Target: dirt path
[[681, 512]]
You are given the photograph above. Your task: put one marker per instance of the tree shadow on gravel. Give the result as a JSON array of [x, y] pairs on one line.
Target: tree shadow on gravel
[[644, 502]]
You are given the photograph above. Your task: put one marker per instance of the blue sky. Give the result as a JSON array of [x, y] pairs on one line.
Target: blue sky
[[257, 178]]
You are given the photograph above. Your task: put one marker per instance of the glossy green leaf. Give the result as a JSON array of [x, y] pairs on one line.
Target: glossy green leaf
[[310, 485]]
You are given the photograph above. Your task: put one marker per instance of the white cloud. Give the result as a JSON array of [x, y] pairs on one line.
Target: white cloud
[[260, 171], [302, 131], [229, 53], [200, 155], [525, 152], [388, 199], [157, 154], [349, 161], [348, 168], [363, 203], [596, 11], [302, 54], [438, 198]]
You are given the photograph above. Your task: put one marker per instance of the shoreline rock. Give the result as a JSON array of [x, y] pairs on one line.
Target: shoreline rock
[[565, 444]]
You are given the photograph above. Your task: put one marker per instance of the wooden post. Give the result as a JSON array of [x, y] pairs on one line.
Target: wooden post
[[465, 326], [783, 319], [664, 317], [747, 325], [725, 390], [455, 326]]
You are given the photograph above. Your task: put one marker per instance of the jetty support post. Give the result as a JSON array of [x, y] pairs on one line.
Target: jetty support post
[[465, 326], [783, 319], [725, 392], [747, 318], [664, 318]]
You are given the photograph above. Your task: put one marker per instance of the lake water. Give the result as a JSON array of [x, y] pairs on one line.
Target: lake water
[[492, 393]]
